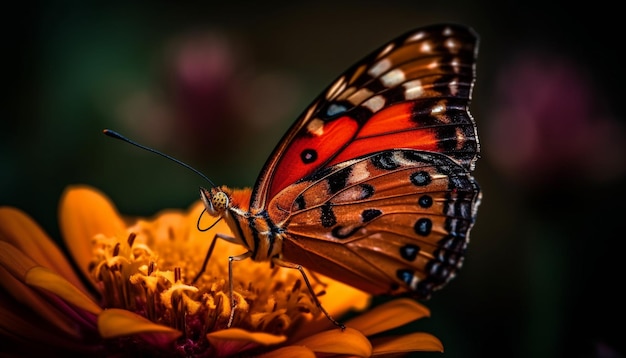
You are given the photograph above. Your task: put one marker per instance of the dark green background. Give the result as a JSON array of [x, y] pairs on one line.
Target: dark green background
[[544, 271]]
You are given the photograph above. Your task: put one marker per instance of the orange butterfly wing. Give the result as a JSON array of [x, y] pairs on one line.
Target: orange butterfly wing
[[372, 183], [388, 223], [411, 93]]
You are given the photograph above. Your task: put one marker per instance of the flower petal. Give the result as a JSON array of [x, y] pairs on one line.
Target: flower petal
[[335, 341], [85, 212], [234, 340], [289, 351], [15, 261], [18, 229], [116, 322], [14, 266], [388, 315], [236, 334], [42, 277], [340, 298], [28, 335], [412, 342], [35, 304]]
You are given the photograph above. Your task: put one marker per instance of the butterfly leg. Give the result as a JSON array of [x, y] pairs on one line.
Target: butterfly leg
[[210, 252], [317, 279], [233, 305], [290, 265]]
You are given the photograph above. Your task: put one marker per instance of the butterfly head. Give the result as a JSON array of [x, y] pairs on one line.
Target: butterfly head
[[215, 201]]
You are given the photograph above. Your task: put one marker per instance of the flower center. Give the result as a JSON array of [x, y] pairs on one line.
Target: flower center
[[150, 273]]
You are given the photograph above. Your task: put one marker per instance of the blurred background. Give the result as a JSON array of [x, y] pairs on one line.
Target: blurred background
[[217, 84]]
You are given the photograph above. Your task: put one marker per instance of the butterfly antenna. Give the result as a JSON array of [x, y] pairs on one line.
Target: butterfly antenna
[[114, 134]]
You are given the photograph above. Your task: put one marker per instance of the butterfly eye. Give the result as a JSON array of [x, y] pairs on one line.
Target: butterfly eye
[[215, 202], [220, 201]]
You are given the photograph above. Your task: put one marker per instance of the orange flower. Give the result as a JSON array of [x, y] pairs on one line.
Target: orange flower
[[133, 293]]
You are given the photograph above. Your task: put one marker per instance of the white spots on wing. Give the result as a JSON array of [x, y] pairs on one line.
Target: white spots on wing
[[380, 67], [399, 158], [414, 281], [453, 45], [448, 31], [316, 127], [359, 173], [375, 103], [438, 108], [353, 191], [413, 89], [393, 78], [349, 195], [455, 64], [453, 86], [416, 37], [386, 50], [359, 96], [337, 87], [426, 47]]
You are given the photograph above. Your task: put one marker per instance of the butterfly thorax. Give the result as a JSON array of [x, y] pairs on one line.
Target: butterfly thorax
[[251, 228]]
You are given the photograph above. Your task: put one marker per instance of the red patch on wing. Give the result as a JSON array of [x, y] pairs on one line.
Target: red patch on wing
[[390, 128], [326, 142]]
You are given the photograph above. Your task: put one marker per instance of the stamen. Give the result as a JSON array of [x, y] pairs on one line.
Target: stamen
[[131, 239]]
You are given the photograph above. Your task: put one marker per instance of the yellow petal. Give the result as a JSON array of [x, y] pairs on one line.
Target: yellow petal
[[116, 322], [21, 231], [340, 298], [336, 341], [44, 278], [413, 342], [14, 266], [236, 334], [234, 341], [85, 212], [388, 315], [288, 352]]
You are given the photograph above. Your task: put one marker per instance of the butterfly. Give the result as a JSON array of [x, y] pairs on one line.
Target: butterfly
[[371, 185]]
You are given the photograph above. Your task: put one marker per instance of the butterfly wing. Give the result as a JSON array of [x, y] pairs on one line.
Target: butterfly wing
[[391, 222], [412, 93]]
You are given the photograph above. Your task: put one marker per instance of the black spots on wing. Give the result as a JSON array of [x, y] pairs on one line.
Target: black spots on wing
[[299, 202], [425, 201], [370, 214], [405, 276], [409, 252], [337, 181], [343, 232], [385, 160], [420, 178], [328, 216], [308, 156], [423, 227]]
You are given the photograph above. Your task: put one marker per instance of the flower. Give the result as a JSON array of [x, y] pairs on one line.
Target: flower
[[133, 294]]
